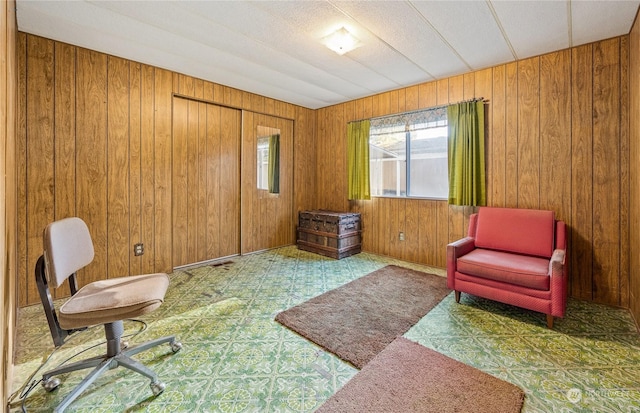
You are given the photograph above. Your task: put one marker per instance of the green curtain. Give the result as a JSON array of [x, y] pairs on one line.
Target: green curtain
[[274, 164], [358, 159], [466, 154]]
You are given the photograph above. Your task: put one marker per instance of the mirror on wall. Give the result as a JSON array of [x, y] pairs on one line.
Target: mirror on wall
[[268, 167]]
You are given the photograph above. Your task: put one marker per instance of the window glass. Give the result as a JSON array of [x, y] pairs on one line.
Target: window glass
[[408, 155]]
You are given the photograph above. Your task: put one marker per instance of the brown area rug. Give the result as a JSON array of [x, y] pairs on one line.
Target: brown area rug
[[407, 377], [358, 320]]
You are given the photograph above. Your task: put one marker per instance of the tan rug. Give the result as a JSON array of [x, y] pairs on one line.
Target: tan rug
[[407, 377], [359, 319]]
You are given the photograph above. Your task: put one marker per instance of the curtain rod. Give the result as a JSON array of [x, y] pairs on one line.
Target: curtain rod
[[421, 110]]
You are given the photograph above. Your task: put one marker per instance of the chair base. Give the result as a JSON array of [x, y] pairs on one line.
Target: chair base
[[115, 357]]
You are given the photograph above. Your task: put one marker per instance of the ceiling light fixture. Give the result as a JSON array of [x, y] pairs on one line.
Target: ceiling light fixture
[[341, 41]]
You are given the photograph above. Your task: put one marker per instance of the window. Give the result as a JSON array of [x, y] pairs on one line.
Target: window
[[408, 155]]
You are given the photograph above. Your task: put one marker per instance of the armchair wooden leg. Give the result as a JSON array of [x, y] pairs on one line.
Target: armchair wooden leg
[[457, 296], [550, 321]]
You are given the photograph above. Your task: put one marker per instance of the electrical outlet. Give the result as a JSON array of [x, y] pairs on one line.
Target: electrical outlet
[[401, 236], [138, 249]]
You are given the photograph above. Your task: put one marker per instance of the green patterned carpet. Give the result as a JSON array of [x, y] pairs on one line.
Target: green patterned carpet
[[237, 359]]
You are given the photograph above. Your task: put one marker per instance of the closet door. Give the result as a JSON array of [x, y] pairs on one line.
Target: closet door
[[267, 216], [206, 181]]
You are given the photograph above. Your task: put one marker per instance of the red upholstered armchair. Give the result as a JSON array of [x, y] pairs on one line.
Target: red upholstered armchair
[[514, 256]]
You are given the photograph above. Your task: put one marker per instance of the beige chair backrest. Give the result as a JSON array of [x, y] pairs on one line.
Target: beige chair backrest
[[67, 248]]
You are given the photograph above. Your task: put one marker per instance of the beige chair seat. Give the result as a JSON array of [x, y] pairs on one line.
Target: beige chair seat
[[114, 299]]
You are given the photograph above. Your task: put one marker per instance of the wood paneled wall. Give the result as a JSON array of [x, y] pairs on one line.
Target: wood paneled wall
[[8, 92], [634, 175], [95, 140], [206, 181], [268, 220], [557, 138]]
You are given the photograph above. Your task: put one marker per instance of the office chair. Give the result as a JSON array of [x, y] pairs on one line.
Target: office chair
[[67, 249]]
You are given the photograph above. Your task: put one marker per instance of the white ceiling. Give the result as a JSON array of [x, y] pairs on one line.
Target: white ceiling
[[274, 48]]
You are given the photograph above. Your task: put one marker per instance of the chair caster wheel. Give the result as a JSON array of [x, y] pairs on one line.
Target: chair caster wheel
[[157, 387], [51, 383], [176, 346]]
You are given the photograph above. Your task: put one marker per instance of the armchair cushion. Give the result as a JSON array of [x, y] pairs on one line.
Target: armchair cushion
[[522, 270], [529, 232]]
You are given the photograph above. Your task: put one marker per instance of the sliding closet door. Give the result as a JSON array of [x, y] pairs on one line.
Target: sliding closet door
[[206, 181], [267, 213]]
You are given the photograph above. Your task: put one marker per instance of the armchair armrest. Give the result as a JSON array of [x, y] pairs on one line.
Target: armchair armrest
[[556, 265], [454, 250], [558, 274]]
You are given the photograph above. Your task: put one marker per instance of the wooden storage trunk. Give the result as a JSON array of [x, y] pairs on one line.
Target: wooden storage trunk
[[333, 234]]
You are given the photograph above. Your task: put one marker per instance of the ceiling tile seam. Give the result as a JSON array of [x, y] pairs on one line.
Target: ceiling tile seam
[[436, 31], [502, 30], [570, 23], [225, 52], [365, 27]]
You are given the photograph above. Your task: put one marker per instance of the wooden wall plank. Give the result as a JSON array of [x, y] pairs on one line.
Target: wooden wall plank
[[198, 86], [180, 182], [402, 100], [65, 138], [213, 182], [411, 249], [202, 159], [65, 133], [208, 92], [625, 152], [193, 180], [304, 159], [634, 175], [529, 133], [230, 178], [39, 150], [442, 233], [412, 95], [135, 167], [320, 147], [555, 133], [582, 172], [340, 141], [162, 171], [497, 149], [91, 152], [22, 241], [118, 151], [606, 170], [249, 198], [442, 90], [9, 91], [147, 168], [511, 153], [427, 95]]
